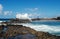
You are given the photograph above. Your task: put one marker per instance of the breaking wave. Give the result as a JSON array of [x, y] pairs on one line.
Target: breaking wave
[[45, 28]]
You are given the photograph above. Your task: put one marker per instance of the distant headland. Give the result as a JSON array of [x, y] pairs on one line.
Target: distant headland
[[17, 20]]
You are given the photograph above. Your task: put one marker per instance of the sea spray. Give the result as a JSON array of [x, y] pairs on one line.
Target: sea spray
[[53, 29]]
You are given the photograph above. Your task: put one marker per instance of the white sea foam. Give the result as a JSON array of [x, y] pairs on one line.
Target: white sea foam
[[22, 16], [1, 21], [45, 28]]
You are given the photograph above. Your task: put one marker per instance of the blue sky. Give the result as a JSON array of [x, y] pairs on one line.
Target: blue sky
[[38, 8]]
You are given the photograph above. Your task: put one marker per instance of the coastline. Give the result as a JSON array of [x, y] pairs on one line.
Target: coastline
[[47, 20], [14, 30]]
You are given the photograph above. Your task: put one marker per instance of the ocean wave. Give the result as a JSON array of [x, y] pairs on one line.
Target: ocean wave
[[45, 28], [1, 21]]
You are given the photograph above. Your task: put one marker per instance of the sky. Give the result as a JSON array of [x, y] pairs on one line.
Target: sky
[[31, 8]]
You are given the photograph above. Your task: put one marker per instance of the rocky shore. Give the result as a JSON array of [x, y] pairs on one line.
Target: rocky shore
[[22, 32]]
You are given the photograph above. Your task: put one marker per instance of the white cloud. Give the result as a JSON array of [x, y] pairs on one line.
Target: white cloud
[[4, 12], [23, 16], [31, 9], [7, 12], [35, 8], [1, 8]]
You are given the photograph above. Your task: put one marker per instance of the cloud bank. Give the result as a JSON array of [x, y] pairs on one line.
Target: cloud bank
[[26, 15]]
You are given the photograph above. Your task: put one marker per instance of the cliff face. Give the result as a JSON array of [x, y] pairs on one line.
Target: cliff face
[[22, 32]]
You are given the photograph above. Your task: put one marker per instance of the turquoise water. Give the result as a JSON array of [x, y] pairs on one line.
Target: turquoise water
[[52, 27], [52, 23]]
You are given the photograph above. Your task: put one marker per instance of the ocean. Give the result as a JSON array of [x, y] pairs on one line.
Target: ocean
[[50, 26], [53, 27]]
